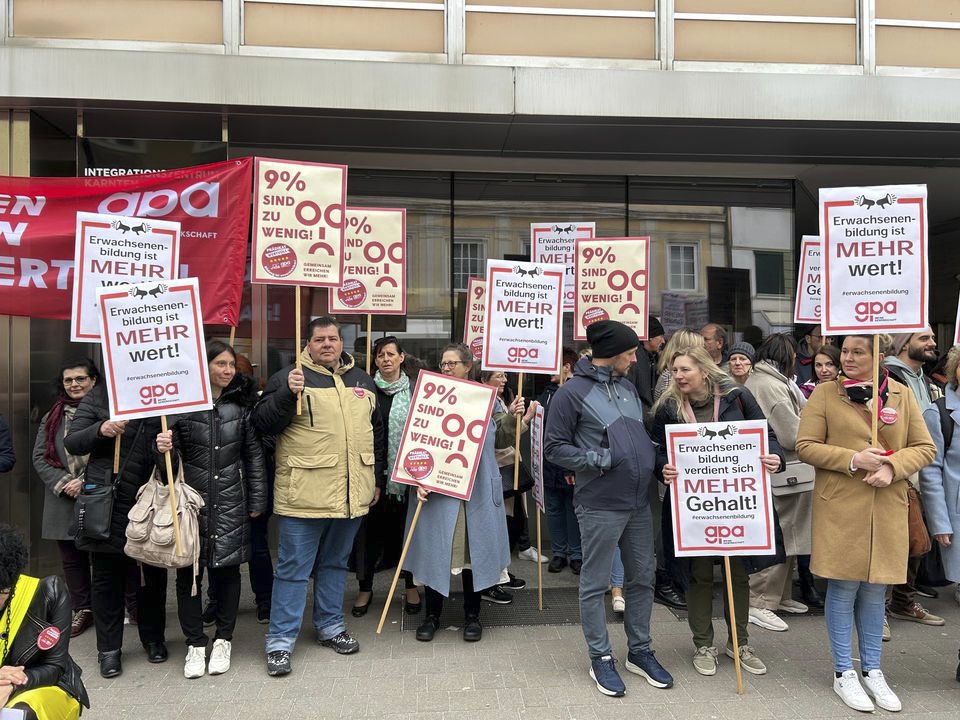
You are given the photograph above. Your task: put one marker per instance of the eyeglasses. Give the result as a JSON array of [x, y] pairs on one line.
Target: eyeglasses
[[79, 380], [450, 364]]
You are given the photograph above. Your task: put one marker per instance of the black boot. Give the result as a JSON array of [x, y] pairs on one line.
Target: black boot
[[808, 591], [472, 629], [428, 628], [110, 663]]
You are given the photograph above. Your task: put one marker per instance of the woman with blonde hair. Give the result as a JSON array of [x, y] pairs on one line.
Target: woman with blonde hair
[[701, 392], [682, 338], [860, 531]]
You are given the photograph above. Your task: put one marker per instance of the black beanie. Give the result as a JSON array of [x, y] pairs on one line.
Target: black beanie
[[609, 338], [654, 328]]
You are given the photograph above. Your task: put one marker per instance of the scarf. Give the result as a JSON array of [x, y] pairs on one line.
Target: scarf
[[861, 391], [54, 419], [399, 389]]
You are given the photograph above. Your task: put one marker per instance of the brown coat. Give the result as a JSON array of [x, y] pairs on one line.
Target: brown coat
[[859, 531]]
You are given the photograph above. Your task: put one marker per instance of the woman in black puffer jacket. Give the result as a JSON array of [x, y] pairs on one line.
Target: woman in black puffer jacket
[[223, 460], [92, 433]]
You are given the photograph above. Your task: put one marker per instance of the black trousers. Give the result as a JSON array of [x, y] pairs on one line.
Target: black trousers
[[260, 566], [76, 571], [379, 541], [471, 598], [110, 573], [225, 585], [518, 530]]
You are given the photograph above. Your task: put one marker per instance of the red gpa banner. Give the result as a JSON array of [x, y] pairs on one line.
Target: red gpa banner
[[38, 218], [443, 437]]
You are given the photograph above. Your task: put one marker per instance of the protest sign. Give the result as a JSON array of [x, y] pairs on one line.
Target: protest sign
[[298, 223], [475, 316], [374, 269], [154, 357], [555, 244], [38, 224], [722, 502], [523, 324], [807, 307], [875, 259], [117, 250], [443, 436], [612, 283], [536, 457]]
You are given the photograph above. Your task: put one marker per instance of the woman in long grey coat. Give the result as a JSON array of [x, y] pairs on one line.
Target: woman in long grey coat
[[62, 476], [940, 480], [472, 543]]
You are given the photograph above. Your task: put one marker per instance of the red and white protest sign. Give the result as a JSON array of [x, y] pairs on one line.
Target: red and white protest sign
[[443, 435], [475, 316], [612, 283], [117, 250], [154, 357], [807, 309], [298, 223], [524, 320], [722, 501], [555, 244], [375, 267], [38, 222], [875, 259], [536, 457]]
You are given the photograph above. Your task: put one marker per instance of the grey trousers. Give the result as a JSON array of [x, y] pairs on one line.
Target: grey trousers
[[600, 532]]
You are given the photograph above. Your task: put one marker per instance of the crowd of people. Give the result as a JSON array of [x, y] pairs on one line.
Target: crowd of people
[[312, 451]]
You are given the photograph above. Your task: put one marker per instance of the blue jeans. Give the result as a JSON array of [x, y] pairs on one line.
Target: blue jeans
[[562, 522], [848, 601], [321, 546], [616, 569], [602, 531]]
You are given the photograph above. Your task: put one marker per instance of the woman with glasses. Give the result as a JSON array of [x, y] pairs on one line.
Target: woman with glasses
[[466, 538], [62, 476], [380, 537]]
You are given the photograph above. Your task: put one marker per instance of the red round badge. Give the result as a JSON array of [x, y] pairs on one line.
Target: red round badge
[[359, 392], [48, 637], [279, 259], [418, 463], [353, 293], [888, 416], [594, 314], [476, 347]]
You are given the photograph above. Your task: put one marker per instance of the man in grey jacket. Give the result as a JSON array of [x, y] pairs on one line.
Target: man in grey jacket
[[595, 429]]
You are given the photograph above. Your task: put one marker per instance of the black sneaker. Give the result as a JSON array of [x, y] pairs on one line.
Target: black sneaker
[[342, 644], [263, 613], [557, 564], [514, 583], [278, 663], [497, 595], [927, 592], [209, 615], [575, 566]]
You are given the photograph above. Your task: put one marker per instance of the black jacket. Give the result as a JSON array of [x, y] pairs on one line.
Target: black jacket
[[730, 410], [554, 476], [136, 460], [643, 375], [53, 667], [223, 461], [7, 458]]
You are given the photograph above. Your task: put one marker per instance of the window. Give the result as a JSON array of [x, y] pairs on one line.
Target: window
[[683, 267], [769, 273], [469, 260]]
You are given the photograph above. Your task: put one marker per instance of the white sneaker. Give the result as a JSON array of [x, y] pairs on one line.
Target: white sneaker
[[848, 687], [877, 688], [767, 619], [196, 663], [531, 554], [619, 604], [793, 606], [220, 657]]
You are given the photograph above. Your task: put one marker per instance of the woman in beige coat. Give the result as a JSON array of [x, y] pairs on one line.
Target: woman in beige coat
[[860, 508]]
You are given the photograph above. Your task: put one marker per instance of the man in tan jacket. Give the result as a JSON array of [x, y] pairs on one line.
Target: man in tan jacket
[[330, 470]]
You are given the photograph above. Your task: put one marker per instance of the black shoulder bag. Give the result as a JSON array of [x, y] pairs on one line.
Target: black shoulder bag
[[93, 510]]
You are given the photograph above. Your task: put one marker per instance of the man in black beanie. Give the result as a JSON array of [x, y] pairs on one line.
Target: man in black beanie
[[595, 430], [643, 374]]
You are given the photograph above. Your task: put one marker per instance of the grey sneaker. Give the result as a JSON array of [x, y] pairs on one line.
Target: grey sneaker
[[705, 661], [342, 644], [748, 661], [278, 663]]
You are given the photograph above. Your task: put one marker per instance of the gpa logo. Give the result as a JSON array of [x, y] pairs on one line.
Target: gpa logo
[[718, 534], [159, 394], [515, 354], [874, 310], [201, 199]]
